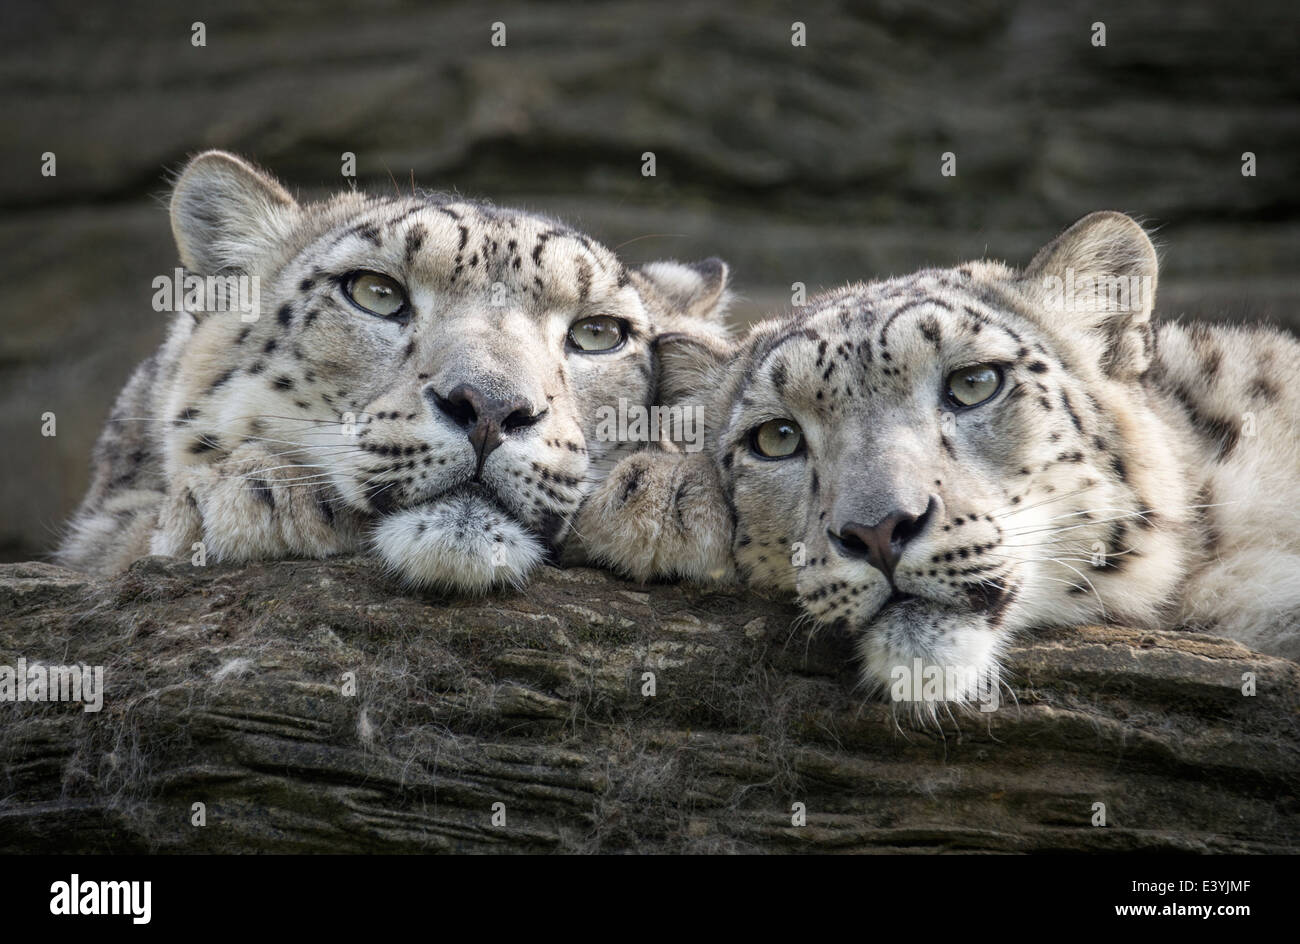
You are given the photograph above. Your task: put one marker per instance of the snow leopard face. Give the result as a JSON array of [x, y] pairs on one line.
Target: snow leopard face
[[424, 377], [935, 461]]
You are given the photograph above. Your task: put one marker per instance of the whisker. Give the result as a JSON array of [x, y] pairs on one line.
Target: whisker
[[200, 420], [1007, 510], [1086, 511], [1061, 562], [1133, 514]]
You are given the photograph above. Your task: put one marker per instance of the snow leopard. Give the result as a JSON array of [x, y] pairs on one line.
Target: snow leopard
[[420, 380], [938, 462]]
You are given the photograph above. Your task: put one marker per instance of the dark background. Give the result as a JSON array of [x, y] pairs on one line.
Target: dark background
[[816, 164]]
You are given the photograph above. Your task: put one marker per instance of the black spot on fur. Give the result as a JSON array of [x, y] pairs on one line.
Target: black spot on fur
[[631, 482], [682, 490], [779, 377], [222, 378], [1224, 433], [262, 492], [284, 316], [414, 240], [1264, 389], [584, 280], [381, 498], [1069, 408], [1210, 362], [1113, 559]]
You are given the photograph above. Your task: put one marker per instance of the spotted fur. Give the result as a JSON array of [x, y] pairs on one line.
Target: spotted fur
[[1124, 471], [321, 428]]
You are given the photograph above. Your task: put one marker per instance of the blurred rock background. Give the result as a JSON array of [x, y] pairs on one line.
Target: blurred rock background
[[815, 164]]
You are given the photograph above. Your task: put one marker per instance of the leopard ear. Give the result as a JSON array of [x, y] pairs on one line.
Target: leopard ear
[[1097, 282], [695, 290], [690, 366], [225, 213]]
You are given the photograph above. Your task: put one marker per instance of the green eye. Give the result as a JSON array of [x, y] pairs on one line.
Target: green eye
[[597, 335], [777, 439], [973, 385], [377, 294]]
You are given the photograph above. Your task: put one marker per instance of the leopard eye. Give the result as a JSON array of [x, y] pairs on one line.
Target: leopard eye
[[377, 294], [598, 335], [971, 386], [777, 439]]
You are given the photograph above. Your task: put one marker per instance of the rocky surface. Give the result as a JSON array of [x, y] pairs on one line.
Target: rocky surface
[[816, 164], [225, 686]]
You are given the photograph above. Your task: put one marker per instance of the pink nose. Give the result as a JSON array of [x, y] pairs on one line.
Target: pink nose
[[882, 544], [487, 420]]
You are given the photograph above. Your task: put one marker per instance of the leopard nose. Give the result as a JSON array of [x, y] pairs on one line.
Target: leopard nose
[[882, 544], [486, 419]]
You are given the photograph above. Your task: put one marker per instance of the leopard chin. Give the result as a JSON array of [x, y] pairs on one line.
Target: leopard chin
[[462, 542], [918, 654]]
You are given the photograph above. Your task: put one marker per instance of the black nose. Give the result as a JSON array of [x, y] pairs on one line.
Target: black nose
[[882, 544], [487, 420]]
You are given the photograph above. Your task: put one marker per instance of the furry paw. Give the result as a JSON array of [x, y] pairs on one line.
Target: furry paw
[[251, 506], [659, 515]]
